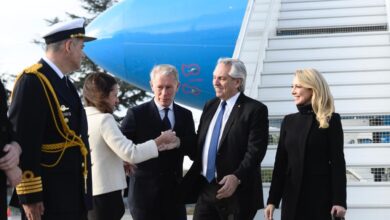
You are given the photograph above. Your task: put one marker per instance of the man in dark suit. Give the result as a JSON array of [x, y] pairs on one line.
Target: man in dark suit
[[50, 124], [232, 142], [9, 155], [152, 186]]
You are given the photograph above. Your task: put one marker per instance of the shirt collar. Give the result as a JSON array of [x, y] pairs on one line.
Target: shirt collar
[[54, 67], [232, 100], [161, 108]]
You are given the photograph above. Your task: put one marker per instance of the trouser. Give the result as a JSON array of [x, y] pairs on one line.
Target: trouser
[[107, 206], [63, 216], [151, 197], [208, 207], [3, 196]]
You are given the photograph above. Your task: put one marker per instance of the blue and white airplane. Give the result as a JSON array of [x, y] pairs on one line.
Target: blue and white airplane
[[133, 36], [347, 41]]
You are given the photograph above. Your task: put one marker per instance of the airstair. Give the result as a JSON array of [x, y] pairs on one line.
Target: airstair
[[349, 42]]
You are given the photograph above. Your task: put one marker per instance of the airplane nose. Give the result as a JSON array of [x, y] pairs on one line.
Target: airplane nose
[[133, 36]]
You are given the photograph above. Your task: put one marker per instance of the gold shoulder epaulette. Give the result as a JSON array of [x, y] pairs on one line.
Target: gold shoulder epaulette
[[29, 183], [33, 69]]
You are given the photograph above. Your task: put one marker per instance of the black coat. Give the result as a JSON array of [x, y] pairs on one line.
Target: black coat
[[242, 147], [164, 173], [309, 174], [5, 137], [34, 125]]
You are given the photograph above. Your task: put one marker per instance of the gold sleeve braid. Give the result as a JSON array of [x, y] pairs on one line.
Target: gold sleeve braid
[[29, 184], [69, 136]]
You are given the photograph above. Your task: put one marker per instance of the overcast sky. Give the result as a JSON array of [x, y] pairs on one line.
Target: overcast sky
[[21, 22]]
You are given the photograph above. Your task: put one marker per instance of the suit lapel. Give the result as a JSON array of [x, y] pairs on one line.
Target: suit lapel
[[155, 116], [232, 117], [208, 115], [178, 115]]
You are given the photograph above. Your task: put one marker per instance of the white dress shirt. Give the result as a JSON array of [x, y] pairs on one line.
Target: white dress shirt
[[54, 67], [228, 109], [161, 111]]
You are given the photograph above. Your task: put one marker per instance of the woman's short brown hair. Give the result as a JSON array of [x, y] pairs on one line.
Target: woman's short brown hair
[[97, 88]]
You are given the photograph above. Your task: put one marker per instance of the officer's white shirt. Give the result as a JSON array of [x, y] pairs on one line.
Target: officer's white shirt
[[54, 67]]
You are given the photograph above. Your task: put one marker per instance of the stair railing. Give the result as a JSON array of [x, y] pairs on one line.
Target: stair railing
[[387, 2], [268, 29], [244, 28]]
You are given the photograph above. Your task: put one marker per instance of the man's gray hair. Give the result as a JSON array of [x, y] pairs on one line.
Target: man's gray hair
[[237, 70], [56, 46], [164, 69]]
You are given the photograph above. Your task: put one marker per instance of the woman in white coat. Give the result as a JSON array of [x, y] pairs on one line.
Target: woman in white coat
[[110, 148]]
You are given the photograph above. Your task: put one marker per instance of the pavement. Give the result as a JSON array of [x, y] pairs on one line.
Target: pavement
[[127, 216]]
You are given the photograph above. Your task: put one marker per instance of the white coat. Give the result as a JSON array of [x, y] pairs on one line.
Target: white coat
[[109, 148]]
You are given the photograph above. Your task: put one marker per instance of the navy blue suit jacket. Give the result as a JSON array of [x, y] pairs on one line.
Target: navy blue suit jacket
[[143, 123]]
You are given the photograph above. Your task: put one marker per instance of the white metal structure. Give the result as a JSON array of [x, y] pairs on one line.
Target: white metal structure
[[349, 42]]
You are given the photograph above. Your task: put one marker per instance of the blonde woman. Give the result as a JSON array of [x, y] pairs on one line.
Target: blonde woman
[[309, 173], [109, 147]]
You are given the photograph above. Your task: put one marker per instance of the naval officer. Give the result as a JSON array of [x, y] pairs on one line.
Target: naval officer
[[51, 127]]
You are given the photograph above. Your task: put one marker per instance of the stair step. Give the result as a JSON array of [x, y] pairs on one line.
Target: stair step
[[301, 1], [328, 65], [343, 106], [336, 12], [333, 78], [315, 5], [326, 53], [355, 156], [331, 30], [326, 40], [333, 22], [338, 92]]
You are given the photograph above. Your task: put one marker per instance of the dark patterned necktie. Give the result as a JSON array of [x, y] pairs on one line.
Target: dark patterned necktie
[[166, 123]]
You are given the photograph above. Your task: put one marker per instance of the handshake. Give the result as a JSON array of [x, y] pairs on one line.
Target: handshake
[[167, 141]]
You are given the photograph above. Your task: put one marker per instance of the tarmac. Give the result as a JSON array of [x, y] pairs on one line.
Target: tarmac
[[127, 216]]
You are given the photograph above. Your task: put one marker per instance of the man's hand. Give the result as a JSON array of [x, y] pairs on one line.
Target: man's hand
[[269, 212], [11, 159], [229, 185], [14, 175], [167, 141], [338, 211], [129, 168], [34, 211], [170, 146]]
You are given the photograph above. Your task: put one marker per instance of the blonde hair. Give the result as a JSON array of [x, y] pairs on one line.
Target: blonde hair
[[322, 99]]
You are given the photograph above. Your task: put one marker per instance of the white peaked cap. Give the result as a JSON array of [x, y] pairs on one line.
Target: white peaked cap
[[67, 29]]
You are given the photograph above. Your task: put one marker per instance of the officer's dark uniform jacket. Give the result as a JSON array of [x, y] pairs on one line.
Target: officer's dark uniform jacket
[[51, 127]]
